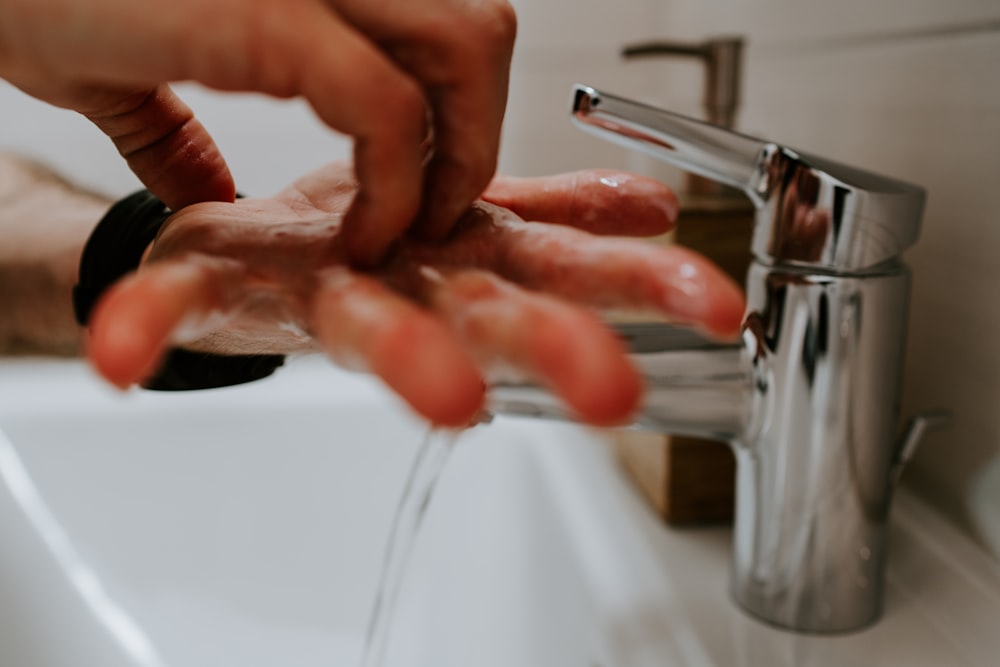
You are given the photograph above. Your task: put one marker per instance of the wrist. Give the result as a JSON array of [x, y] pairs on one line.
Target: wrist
[[116, 247]]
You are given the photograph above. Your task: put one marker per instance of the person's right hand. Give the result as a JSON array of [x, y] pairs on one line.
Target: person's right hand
[[409, 80]]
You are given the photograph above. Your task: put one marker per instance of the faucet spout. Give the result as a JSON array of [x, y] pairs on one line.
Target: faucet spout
[[694, 386]]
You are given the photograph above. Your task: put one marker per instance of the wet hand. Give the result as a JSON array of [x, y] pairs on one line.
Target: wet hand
[[272, 276]]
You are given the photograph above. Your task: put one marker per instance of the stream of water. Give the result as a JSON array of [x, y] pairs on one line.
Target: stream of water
[[425, 471]]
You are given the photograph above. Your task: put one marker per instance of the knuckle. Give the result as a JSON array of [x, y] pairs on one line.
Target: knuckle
[[497, 24], [407, 99], [485, 31]]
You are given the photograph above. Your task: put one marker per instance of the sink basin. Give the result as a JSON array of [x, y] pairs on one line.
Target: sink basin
[[245, 527]]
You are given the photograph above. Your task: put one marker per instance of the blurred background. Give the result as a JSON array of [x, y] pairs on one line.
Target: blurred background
[[909, 88]]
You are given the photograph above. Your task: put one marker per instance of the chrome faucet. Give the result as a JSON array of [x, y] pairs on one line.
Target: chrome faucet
[[810, 397]]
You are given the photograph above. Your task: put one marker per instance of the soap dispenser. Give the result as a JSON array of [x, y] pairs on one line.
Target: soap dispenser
[[688, 480]]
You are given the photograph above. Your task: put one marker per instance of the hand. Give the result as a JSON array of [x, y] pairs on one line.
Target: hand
[[373, 70], [270, 276]]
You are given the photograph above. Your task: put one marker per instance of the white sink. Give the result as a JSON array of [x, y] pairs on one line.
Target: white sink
[[244, 527]]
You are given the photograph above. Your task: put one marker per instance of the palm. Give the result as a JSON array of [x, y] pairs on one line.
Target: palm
[[270, 275]]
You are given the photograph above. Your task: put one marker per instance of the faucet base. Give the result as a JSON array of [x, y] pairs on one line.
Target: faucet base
[[815, 481]]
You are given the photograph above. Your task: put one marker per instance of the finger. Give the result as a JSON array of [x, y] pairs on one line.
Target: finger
[[613, 273], [361, 322], [468, 94], [619, 273], [566, 347], [599, 201], [358, 90], [164, 144], [144, 313], [304, 48]]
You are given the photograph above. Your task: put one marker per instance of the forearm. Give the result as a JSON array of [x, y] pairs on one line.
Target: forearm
[[44, 223]]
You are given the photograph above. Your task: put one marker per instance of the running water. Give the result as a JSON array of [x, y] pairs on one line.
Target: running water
[[424, 474]]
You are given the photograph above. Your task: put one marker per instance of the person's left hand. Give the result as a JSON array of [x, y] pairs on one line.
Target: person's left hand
[[270, 276]]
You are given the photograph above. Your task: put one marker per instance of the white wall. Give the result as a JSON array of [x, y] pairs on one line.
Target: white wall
[[562, 42], [910, 88], [907, 87], [267, 142]]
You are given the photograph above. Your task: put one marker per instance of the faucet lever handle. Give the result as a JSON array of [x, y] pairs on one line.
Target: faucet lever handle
[[701, 148], [811, 212]]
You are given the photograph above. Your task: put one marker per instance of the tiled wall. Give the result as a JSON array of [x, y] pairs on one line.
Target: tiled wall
[[910, 88]]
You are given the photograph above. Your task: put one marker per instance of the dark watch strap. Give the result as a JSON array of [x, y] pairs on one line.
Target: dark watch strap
[[115, 248]]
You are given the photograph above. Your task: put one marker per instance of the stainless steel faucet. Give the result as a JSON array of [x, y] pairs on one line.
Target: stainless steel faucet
[[810, 398]]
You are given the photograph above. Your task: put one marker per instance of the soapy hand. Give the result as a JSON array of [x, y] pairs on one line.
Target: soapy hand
[[409, 80], [271, 276]]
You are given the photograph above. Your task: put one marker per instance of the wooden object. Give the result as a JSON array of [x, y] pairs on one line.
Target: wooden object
[[689, 480], [685, 480]]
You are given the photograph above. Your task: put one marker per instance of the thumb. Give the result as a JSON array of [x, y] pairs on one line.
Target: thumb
[[165, 145]]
